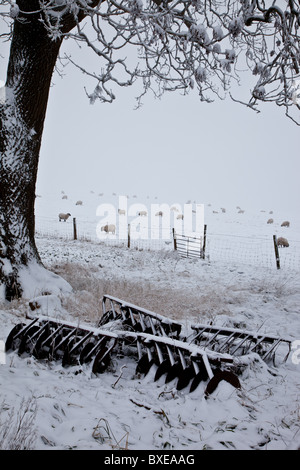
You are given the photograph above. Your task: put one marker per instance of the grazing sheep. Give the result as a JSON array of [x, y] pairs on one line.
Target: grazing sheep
[[282, 242], [215, 212], [223, 210], [121, 211], [63, 217], [142, 213], [159, 213], [65, 197], [270, 221], [79, 203], [174, 208], [285, 224], [109, 228], [241, 211], [180, 217]]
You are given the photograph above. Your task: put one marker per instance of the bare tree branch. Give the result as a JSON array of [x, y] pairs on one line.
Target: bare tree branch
[[181, 45]]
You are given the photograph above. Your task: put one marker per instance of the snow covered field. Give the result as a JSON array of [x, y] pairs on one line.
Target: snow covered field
[[63, 410]]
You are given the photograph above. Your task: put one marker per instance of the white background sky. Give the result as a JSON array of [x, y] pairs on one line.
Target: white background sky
[[176, 149]]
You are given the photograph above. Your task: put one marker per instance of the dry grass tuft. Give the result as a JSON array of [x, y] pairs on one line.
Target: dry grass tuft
[[89, 287], [17, 427]]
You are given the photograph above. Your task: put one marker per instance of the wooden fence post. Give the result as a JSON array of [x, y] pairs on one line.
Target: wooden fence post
[[276, 251], [128, 241], [204, 242], [174, 239], [74, 229]]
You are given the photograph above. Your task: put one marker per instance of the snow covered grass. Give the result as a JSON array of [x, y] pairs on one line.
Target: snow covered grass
[[62, 409], [120, 410]]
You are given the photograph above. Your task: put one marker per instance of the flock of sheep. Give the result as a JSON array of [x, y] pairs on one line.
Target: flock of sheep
[[281, 241], [111, 228]]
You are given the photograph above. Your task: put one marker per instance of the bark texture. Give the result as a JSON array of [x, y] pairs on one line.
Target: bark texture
[[22, 113]]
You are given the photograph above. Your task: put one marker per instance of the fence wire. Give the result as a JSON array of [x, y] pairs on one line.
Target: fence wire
[[258, 251], [227, 248]]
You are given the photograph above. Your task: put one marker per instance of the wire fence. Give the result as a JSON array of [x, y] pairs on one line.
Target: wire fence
[[227, 248], [142, 238]]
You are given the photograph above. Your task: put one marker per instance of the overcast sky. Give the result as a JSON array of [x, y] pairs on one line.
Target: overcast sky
[[176, 149]]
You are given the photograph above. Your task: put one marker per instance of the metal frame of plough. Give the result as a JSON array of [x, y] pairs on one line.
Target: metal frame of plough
[[159, 342], [208, 355]]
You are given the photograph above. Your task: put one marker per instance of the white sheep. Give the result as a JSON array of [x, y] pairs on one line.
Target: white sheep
[[160, 214], [63, 216], [283, 242], [270, 221], [109, 228], [285, 224], [121, 211], [65, 197], [79, 203], [180, 217], [142, 213]]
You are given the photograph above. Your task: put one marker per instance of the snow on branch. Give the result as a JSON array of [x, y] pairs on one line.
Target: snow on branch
[[181, 44]]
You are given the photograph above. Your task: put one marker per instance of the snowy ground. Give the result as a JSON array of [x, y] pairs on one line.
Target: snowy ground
[[68, 411]]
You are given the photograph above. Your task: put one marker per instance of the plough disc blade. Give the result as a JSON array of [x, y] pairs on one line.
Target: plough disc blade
[[103, 358], [219, 375], [40, 351], [201, 376], [162, 369], [144, 365], [13, 337], [185, 377], [174, 372], [85, 357], [27, 342], [68, 359], [101, 361]]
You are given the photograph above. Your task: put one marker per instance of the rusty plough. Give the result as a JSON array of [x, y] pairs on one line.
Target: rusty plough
[[209, 354]]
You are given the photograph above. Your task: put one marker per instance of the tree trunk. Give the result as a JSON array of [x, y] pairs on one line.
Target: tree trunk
[[23, 104]]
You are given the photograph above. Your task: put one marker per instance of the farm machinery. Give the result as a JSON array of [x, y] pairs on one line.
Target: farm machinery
[[208, 354]]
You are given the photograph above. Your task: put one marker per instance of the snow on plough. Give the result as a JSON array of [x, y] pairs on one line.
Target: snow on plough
[[208, 354]]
